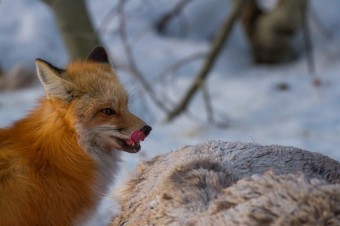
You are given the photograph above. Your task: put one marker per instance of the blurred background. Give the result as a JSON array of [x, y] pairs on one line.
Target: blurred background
[[263, 71]]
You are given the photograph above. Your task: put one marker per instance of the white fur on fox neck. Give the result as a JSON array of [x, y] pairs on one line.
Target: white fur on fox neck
[[107, 163]]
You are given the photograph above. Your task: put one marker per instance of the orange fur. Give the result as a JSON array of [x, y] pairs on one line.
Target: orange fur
[[55, 164], [45, 175]]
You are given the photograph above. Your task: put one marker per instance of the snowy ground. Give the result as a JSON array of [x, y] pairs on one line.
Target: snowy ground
[[244, 95]]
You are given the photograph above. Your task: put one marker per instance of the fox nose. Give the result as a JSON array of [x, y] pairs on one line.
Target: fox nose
[[146, 130]]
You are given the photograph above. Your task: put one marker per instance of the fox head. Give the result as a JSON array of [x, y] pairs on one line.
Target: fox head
[[93, 102]]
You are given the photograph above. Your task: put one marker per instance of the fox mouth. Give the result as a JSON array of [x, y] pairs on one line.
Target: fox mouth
[[132, 144], [128, 147]]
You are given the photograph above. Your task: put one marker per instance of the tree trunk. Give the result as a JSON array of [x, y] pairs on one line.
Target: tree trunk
[[75, 27], [270, 33]]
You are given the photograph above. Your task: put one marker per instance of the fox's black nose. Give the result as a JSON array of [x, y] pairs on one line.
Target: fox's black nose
[[146, 130]]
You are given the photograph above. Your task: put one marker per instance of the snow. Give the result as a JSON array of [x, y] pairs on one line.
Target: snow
[[28, 31], [247, 104]]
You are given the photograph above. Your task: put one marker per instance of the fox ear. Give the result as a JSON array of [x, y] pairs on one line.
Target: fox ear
[[50, 78], [98, 55]]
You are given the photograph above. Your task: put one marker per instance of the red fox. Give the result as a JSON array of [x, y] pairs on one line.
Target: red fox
[[56, 164]]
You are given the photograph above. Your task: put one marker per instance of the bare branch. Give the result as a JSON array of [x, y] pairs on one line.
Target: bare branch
[[131, 60], [163, 22], [219, 40], [179, 64]]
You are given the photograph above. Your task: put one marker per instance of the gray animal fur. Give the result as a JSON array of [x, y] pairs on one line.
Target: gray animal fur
[[225, 183]]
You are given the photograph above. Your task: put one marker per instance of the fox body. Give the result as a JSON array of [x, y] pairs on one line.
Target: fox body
[[57, 163]]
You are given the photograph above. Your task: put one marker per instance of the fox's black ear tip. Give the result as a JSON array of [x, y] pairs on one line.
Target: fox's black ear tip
[[99, 55], [101, 48], [98, 49], [40, 62]]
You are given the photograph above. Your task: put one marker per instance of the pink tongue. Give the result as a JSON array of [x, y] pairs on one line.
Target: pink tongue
[[136, 137]]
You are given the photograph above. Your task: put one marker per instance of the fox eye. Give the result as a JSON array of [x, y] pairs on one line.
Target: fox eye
[[108, 111]]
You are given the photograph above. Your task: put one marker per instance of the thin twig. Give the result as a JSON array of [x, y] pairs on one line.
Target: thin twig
[[163, 22], [177, 65], [131, 60], [219, 40]]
